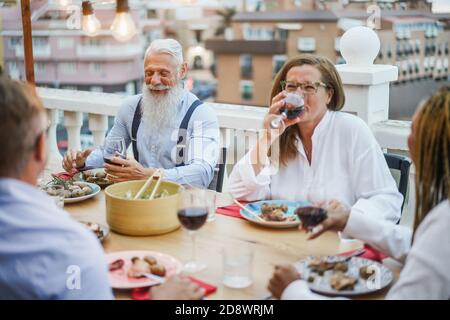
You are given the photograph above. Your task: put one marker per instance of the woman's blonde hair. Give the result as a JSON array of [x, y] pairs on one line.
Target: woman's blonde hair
[[329, 76], [431, 154]]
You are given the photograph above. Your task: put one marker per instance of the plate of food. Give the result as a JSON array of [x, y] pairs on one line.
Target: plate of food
[[128, 269], [100, 230], [97, 176], [334, 276], [273, 213], [74, 191]]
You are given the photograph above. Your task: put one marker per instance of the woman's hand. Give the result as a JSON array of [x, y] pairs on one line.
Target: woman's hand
[[337, 218], [283, 276]]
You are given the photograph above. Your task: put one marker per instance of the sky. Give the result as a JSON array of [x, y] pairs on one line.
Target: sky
[[441, 6]]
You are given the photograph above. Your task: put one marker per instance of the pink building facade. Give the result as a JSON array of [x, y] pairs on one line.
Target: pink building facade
[[66, 58]]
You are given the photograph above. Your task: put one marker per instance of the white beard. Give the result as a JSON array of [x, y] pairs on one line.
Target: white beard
[[159, 112]]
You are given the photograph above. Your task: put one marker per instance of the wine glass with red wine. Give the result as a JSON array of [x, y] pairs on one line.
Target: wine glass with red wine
[[114, 147], [192, 214]]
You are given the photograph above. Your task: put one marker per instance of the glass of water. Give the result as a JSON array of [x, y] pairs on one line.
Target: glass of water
[[237, 266], [211, 201]]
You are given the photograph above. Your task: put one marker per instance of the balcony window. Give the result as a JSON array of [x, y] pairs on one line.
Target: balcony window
[[40, 67], [247, 90], [152, 14], [95, 67], [278, 62], [68, 68], [39, 42], [257, 33], [306, 44], [66, 43], [14, 71], [93, 42], [246, 66], [14, 42]]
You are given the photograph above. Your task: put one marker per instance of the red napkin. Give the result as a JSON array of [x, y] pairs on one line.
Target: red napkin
[[144, 293], [371, 254], [65, 175], [231, 211]]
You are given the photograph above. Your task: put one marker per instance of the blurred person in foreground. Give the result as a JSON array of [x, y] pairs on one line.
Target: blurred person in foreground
[[44, 253], [427, 260], [154, 122]]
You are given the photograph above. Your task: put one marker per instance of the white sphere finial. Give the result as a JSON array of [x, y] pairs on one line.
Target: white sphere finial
[[360, 46]]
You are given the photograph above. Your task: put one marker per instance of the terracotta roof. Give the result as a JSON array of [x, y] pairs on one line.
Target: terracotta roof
[[293, 15], [269, 47]]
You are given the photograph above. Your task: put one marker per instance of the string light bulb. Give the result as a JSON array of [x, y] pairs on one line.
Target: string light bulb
[[63, 3], [90, 24], [123, 27]]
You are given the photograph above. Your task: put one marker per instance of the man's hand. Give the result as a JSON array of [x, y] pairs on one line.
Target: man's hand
[[337, 218], [281, 278], [126, 169], [177, 288], [75, 159]]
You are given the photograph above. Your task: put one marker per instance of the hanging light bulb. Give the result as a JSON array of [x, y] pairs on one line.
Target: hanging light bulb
[[123, 27], [63, 3], [90, 25]]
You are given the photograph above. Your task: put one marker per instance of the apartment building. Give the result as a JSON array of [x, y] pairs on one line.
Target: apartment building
[[258, 44], [66, 58], [261, 43]]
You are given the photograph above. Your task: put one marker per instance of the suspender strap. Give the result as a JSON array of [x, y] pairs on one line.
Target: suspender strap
[[182, 134], [135, 127]]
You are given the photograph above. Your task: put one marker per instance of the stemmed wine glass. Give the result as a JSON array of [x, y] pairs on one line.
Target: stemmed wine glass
[[114, 147], [193, 213], [294, 106]]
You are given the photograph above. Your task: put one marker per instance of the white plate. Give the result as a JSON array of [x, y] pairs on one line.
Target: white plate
[[256, 207], [104, 228], [321, 284], [95, 189], [119, 279]]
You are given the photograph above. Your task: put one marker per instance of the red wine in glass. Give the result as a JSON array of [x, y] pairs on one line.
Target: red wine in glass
[[193, 218]]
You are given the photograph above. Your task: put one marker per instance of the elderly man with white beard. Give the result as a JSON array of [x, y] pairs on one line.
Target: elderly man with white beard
[[167, 125]]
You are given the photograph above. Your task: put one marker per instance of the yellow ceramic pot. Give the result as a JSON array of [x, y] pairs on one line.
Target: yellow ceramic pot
[[142, 217]]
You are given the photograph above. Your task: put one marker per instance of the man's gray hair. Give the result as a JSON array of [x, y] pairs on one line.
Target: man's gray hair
[[169, 46]]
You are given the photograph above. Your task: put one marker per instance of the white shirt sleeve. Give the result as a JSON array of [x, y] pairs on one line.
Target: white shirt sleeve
[[374, 186], [243, 184], [426, 274], [391, 239]]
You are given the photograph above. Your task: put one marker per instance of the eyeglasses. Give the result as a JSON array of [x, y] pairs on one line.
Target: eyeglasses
[[307, 88]]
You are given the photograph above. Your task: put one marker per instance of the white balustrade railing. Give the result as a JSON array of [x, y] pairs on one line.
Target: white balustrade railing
[[239, 125]]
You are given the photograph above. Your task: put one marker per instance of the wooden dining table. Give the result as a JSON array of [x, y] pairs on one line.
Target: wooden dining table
[[270, 246]]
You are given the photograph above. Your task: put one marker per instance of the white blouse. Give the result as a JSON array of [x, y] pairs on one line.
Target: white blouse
[[347, 164], [426, 272]]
